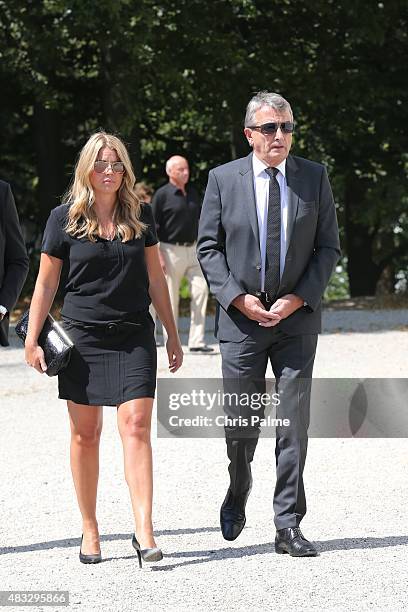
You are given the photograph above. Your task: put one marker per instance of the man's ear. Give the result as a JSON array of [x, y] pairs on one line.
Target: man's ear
[[248, 134]]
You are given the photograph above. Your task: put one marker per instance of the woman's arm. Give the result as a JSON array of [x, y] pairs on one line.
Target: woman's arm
[[159, 294], [44, 292]]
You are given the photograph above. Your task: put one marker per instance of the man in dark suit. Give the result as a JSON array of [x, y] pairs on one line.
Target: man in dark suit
[[268, 242], [13, 259]]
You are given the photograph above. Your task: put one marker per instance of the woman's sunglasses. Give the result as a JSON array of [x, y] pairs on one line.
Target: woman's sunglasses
[[100, 166]]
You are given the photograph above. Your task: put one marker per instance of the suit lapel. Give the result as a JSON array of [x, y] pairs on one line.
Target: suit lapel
[[247, 179], [292, 181]]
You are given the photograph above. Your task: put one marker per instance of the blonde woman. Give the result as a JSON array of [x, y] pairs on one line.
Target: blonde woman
[[106, 238]]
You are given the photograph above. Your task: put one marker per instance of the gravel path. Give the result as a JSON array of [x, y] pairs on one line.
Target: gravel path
[[357, 490]]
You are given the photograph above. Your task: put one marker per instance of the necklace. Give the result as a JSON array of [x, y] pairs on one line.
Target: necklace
[[107, 228], [109, 235]]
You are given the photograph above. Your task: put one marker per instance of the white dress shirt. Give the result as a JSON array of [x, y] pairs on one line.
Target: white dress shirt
[[261, 187]]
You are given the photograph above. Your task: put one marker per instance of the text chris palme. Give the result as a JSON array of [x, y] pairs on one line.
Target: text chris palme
[[199, 401]]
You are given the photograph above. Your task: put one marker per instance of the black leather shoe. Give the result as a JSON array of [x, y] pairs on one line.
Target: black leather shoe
[[89, 558], [201, 349], [232, 515], [293, 542]]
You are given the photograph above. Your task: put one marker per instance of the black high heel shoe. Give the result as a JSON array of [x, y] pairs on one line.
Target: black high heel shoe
[[147, 554], [89, 558]]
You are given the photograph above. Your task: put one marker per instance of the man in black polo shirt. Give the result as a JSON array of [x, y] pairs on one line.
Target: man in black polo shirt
[[176, 208]]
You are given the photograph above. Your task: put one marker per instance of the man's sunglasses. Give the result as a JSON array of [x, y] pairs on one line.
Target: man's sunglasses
[[100, 166], [272, 127]]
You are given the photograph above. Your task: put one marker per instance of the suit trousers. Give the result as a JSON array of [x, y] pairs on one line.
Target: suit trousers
[[4, 331], [243, 368], [182, 261]]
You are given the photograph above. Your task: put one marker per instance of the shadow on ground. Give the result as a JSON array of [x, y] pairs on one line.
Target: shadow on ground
[[196, 557]]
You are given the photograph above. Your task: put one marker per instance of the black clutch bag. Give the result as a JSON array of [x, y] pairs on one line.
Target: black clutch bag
[[53, 340]]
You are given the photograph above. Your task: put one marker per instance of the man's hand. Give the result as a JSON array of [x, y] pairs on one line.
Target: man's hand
[[286, 305], [253, 308]]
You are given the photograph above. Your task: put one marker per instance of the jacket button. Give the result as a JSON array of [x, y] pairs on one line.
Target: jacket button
[[258, 267]]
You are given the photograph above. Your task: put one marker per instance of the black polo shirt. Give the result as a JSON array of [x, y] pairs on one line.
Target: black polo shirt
[[176, 214], [106, 280]]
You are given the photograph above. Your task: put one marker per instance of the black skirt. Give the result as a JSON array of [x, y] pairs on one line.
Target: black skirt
[[110, 364]]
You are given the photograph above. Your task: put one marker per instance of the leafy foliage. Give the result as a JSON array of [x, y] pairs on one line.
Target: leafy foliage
[[175, 77]]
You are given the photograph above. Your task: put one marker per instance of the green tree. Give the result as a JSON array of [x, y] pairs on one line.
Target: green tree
[[174, 77]]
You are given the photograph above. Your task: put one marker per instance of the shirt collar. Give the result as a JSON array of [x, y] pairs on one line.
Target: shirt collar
[[259, 166], [175, 189]]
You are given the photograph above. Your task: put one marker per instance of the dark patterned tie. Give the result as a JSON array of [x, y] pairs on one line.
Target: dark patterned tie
[[273, 235]]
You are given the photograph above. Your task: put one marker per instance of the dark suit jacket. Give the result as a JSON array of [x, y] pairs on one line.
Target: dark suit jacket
[[13, 256], [228, 243]]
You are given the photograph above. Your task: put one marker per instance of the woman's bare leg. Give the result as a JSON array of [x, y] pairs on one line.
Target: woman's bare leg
[[86, 427], [134, 422]]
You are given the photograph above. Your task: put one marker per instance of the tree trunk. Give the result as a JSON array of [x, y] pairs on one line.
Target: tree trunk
[[387, 280], [46, 126], [363, 272], [135, 152]]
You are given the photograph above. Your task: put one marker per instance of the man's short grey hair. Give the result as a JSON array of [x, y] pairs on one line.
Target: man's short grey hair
[[169, 164], [265, 98], [172, 160]]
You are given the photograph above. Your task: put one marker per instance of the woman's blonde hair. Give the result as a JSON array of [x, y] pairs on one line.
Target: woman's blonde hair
[[82, 220]]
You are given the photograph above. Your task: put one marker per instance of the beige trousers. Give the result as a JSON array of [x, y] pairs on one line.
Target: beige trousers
[[182, 261]]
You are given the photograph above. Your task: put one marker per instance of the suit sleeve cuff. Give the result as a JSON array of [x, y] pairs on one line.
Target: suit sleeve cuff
[[228, 293]]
